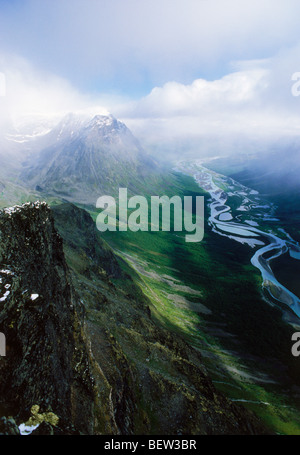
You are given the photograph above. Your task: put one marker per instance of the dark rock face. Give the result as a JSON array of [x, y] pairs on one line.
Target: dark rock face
[[82, 344], [46, 362], [8, 427]]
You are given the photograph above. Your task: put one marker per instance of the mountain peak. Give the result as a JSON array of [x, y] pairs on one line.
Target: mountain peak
[[80, 123], [87, 155], [103, 119]]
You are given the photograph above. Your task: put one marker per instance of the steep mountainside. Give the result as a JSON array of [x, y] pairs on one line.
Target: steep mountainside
[[93, 356], [86, 157], [47, 362]]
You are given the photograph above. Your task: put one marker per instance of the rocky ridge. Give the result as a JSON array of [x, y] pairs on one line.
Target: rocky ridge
[[82, 346]]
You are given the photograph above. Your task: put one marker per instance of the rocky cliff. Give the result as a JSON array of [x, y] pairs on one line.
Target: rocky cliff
[[47, 363], [84, 354]]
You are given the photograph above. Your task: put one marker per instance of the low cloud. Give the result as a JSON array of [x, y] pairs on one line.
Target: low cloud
[[250, 106], [34, 94], [245, 110]]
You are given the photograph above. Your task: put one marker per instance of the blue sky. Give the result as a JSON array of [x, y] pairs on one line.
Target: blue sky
[[198, 65], [130, 46]]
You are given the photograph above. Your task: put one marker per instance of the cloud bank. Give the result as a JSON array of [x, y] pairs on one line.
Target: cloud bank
[[134, 45], [31, 93], [204, 75], [254, 104]]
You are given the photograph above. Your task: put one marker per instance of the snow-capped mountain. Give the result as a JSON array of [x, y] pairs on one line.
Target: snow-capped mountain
[[83, 157]]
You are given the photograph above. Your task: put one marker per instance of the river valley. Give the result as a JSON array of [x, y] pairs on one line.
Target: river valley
[[239, 213]]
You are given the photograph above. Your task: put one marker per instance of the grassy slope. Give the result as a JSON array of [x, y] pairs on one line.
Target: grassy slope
[[11, 193], [157, 381], [209, 293]]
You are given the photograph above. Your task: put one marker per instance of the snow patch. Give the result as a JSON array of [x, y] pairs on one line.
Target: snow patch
[[34, 296], [5, 296], [26, 429]]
